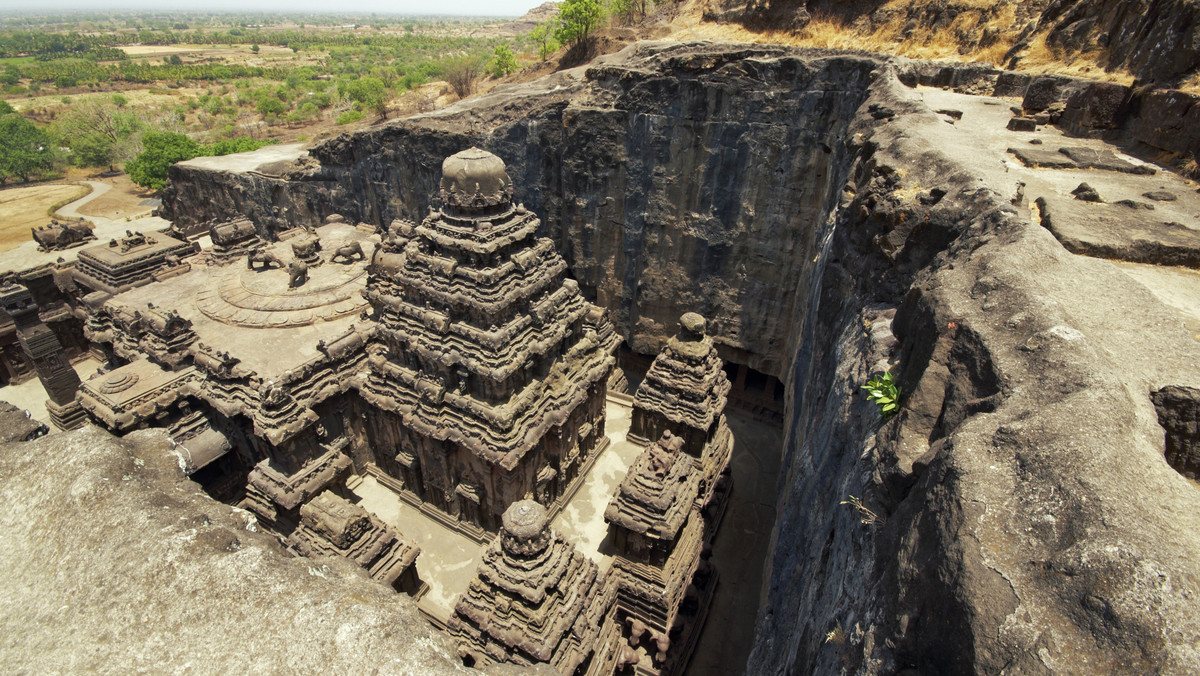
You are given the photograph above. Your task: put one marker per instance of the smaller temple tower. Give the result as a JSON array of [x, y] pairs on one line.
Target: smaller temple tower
[[536, 600], [685, 392], [658, 532], [668, 507], [43, 349]]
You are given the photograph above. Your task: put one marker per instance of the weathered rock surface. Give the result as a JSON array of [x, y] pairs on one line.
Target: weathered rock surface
[[668, 175], [1022, 514], [115, 563], [1121, 230], [1023, 517]]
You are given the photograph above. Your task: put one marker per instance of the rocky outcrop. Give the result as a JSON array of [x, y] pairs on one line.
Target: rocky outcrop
[[1155, 40], [116, 563], [1019, 513], [1002, 521]]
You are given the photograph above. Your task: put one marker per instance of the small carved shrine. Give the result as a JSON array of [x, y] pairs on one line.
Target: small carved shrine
[[535, 599], [330, 525]]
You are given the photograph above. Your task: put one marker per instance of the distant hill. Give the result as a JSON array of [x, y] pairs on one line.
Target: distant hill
[[543, 12]]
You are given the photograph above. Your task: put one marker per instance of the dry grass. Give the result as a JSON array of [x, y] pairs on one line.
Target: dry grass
[[975, 18], [149, 97], [25, 207]]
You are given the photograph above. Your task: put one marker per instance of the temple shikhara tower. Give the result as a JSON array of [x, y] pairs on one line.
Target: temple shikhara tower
[[430, 397], [535, 599], [489, 369]]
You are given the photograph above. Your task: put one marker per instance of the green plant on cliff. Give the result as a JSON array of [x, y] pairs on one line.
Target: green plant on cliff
[[883, 391]]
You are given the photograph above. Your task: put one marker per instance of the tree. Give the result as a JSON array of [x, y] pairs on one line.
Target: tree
[[270, 105], [255, 48], [503, 61], [94, 150], [369, 92], [629, 11], [577, 19], [100, 134], [543, 36], [161, 150], [462, 73], [25, 150]]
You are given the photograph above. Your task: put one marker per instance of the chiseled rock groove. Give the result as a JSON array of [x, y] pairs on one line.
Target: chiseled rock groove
[[1024, 518]]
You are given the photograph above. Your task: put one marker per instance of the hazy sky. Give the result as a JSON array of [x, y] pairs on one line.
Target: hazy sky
[[412, 7]]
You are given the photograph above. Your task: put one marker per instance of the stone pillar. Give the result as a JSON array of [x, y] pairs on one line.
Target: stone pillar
[[43, 349]]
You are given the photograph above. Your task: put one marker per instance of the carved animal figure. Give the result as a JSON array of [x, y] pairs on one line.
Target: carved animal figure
[[298, 272], [62, 235], [351, 252], [267, 257]]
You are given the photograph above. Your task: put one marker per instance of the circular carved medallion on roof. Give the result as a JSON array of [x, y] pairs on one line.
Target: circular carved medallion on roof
[[263, 298], [118, 382]]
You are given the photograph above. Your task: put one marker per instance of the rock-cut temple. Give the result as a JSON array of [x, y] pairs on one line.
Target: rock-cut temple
[[455, 363]]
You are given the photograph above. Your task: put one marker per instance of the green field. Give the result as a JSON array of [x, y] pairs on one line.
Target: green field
[[94, 84]]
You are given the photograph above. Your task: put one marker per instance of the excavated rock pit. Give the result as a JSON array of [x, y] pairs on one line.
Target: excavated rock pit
[[1018, 515]]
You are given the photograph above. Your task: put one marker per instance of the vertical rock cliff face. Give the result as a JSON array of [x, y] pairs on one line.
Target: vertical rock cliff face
[[1017, 514], [674, 180]]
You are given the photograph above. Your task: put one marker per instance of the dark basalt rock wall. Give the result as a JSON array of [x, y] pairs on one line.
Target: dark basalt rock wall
[[689, 180], [1005, 530], [1018, 515]]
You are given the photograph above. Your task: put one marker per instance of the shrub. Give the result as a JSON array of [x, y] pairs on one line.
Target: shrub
[[462, 73], [503, 61], [349, 116], [884, 393]]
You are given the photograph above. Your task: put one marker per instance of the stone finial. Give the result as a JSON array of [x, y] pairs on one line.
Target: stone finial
[[475, 178], [526, 529], [692, 325]]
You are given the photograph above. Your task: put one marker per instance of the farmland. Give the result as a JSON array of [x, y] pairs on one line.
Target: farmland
[[89, 88]]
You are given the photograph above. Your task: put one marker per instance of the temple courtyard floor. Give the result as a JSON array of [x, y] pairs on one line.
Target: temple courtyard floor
[[448, 558]]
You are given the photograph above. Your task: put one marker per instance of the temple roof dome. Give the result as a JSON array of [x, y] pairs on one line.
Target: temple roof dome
[[474, 179]]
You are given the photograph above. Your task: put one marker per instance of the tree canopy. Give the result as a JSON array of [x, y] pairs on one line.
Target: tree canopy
[[577, 19], [25, 150], [160, 151]]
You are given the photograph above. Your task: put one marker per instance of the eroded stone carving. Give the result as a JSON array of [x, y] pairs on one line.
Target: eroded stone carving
[[534, 599]]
